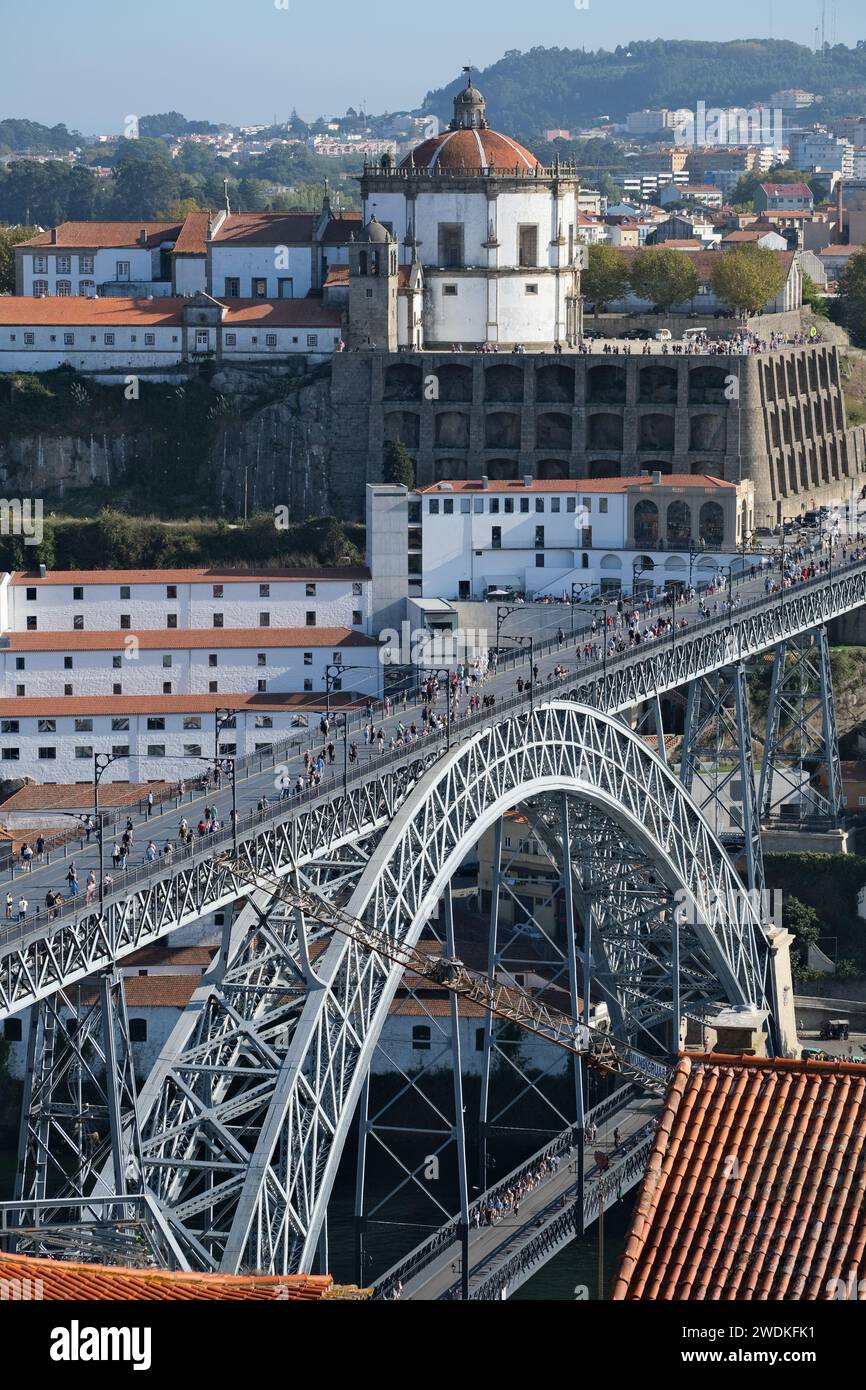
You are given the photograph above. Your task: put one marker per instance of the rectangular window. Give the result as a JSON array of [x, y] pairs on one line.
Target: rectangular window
[[264, 721], [494, 506], [532, 289], [40, 265], [8, 726], [433, 509], [166, 662], [233, 287], [46, 726], [262, 659], [311, 620], [312, 340], [122, 270], [217, 590], [539, 504], [84, 753], [109, 340], [448, 506], [150, 340], [524, 504], [10, 755], [421, 1038], [78, 622], [539, 537], [509, 506], [213, 659], [270, 340], [63, 265], [32, 623], [85, 265], [192, 722], [231, 340], [171, 620], [555, 504], [308, 658], [69, 340], [171, 591], [527, 246], [264, 620], [450, 291], [156, 750], [260, 289], [30, 338], [116, 663], [571, 504], [120, 725], [602, 505], [218, 620], [465, 506], [357, 617], [496, 538], [310, 591], [479, 505], [450, 245], [155, 723], [192, 750], [84, 726], [125, 622], [31, 595], [47, 755], [264, 591], [78, 594]]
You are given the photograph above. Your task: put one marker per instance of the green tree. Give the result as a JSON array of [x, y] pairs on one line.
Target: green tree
[[9, 236], [606, 277], [813, 297], [665, 276], [398, 466], [747, 278], [852, 298], [806, 927]]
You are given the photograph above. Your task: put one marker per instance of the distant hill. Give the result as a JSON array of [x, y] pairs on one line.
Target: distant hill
[[37, 139], [562, 87]]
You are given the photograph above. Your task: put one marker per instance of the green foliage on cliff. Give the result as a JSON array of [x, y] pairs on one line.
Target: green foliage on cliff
[[115, 540], [821, 890]]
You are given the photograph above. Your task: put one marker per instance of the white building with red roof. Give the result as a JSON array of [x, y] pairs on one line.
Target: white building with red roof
[[494, 234]]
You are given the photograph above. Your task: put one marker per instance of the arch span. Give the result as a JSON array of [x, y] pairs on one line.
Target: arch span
[[561, 747]]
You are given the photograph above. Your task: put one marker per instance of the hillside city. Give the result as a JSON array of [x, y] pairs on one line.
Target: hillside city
[[432, 740]]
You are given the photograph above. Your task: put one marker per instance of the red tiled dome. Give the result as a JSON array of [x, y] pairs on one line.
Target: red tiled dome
[[470, 151]]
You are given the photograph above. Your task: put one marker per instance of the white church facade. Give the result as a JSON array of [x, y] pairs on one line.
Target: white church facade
[[477, 235]]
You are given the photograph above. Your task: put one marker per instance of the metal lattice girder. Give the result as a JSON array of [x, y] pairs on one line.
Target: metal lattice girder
[[79, 1133], [717, 765], [801, 737], [288, 1179], [84, 941]]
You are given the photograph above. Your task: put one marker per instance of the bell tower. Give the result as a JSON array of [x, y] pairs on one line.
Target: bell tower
[[373, 281]]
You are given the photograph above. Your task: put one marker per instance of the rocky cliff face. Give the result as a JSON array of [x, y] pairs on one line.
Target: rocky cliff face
[[264, 432]]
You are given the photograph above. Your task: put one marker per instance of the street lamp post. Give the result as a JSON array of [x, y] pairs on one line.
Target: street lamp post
[[576, 589], [222, 720], [101, 763], [595, 614], [503, 613]]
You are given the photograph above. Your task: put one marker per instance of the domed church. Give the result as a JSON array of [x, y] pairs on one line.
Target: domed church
[[469, 241]]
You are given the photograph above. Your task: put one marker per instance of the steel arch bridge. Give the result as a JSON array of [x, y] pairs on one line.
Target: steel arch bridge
[[242, 1132]]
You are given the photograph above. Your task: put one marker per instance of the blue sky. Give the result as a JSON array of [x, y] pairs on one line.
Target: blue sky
[[94, 63]]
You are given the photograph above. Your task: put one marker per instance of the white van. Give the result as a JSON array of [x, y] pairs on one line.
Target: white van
[[690, 333]]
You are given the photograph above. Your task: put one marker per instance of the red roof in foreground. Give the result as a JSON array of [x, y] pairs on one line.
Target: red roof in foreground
[[754, 1188], [65, 1282]]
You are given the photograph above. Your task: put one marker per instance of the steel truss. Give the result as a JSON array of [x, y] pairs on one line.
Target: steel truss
[[79, 1132], [801, 735], [717, 765], [84, 941], [242, 1133]]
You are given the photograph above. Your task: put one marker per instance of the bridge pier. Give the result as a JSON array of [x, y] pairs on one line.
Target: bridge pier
[[801, 697]]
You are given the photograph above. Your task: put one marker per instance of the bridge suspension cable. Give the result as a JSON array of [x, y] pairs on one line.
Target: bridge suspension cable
[[508, 1002]]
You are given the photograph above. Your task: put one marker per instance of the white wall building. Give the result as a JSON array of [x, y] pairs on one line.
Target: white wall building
[[495, 234], [537, 537], [136, 664], [156, 337]]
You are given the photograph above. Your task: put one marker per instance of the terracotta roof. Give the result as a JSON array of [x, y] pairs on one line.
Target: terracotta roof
[[209, 575], [192, 240], [281, 313], [787, 190], [62, 1281], [578, 485], [277, 703], [104, 313], [167, 312], [161, 954], [470, 151], [267, 229], [93, 235], [79, 705], [682, 243], [754, 1188], [191, 638], [840, 251], [57, 797], [341, 228], [156, 991], [339, 275]]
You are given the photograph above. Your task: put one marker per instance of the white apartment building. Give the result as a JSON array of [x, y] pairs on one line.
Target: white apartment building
[[137, 665], [538, 538], [815, 150], [158, 337], [248, 255]]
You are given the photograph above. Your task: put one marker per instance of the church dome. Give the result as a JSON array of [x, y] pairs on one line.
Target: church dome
[[471, 152], [374, 232], [469, 145]]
